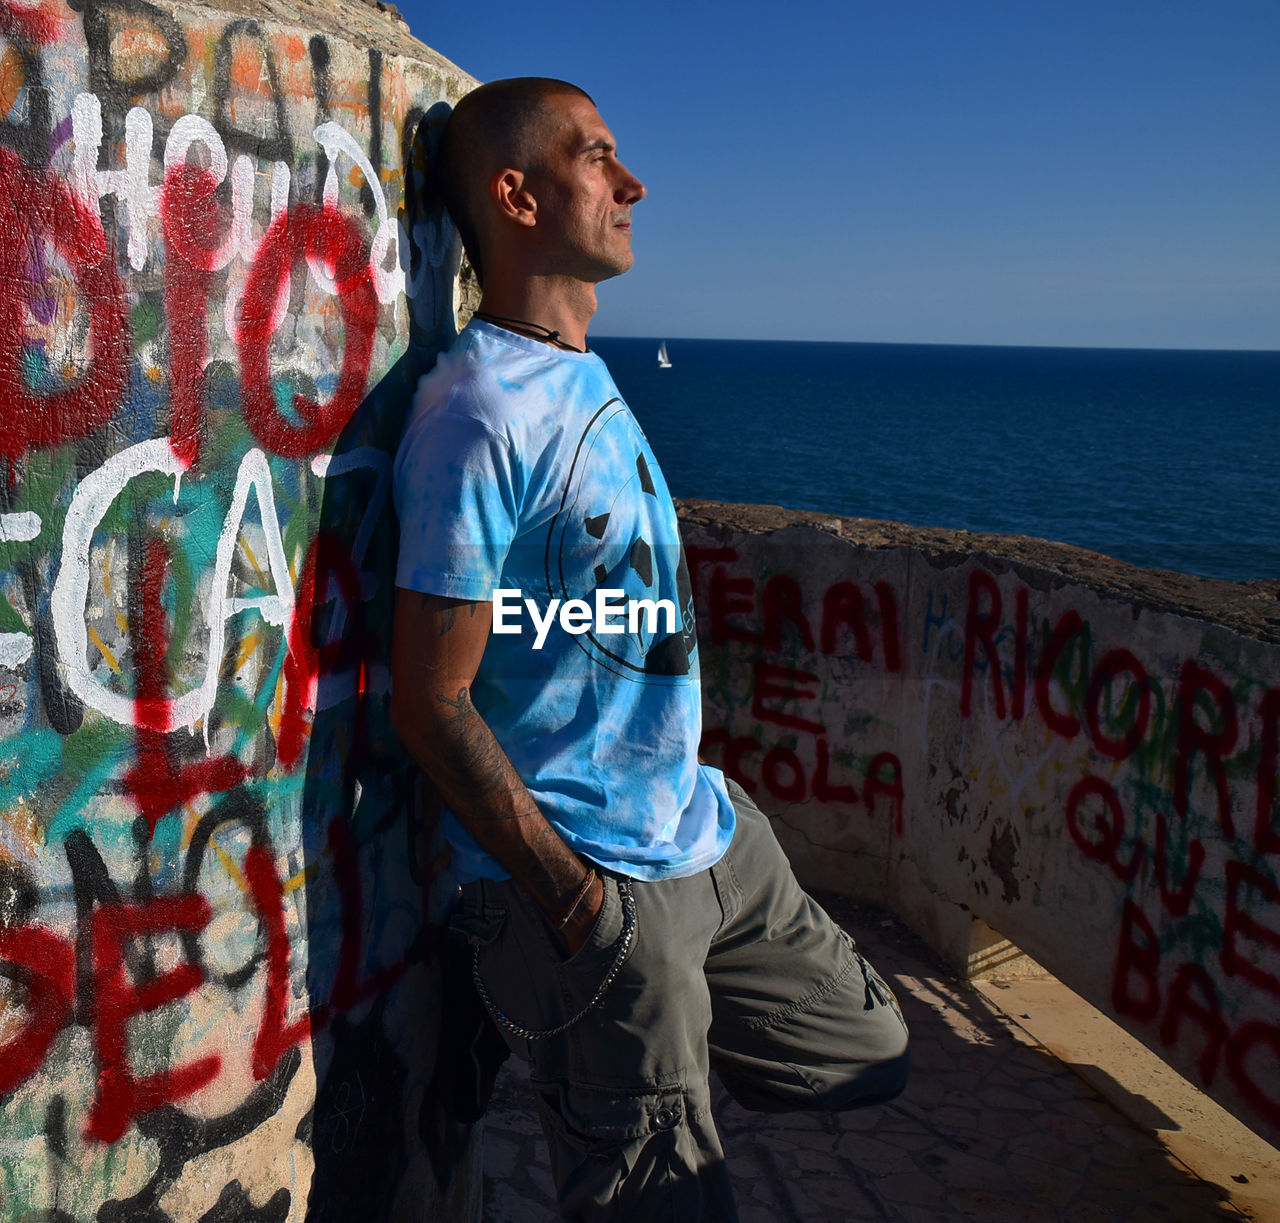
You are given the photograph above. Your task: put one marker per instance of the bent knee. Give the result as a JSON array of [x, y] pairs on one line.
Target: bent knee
[[839, 1088]]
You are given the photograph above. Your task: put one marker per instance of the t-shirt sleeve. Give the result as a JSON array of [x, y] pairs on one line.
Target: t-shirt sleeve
[[456, 497]]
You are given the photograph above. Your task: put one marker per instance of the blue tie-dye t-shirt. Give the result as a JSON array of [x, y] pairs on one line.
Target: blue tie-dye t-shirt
[[522, 469]]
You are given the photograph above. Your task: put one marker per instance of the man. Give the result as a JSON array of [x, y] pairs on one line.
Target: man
[[634, 919]]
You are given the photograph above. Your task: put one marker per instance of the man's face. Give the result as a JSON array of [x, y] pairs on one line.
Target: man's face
[[584, 194]]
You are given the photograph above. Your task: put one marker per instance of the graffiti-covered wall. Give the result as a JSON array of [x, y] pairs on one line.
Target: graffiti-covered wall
[[217, 998], [1082, 754]]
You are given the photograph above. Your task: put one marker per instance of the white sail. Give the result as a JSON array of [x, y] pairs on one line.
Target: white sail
[[664, 362]]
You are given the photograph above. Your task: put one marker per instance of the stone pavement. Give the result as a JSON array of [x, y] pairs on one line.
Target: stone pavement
[[992, 1129]]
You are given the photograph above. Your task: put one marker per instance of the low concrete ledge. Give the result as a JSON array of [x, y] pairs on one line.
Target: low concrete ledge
[[997, 734], [1251, 608]]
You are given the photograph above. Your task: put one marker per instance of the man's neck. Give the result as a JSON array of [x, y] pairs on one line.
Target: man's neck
[[547, 305]]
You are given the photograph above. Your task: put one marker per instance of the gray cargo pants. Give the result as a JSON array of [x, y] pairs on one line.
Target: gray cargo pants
[[734, 969]]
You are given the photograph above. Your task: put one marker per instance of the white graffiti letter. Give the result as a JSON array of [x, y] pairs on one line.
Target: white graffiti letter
[[131, 186], [89, 505], [388, 282], [192, 129], [275, 609]]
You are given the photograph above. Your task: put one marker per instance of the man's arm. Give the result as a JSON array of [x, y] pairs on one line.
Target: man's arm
[[436, 648]]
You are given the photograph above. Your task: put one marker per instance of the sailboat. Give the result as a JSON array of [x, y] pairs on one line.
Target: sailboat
[[664, 362]]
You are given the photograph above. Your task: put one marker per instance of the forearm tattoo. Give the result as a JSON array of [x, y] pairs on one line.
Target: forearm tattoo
[[491, 801]]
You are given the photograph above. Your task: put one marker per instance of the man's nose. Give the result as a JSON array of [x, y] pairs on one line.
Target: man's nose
[[630, 190]]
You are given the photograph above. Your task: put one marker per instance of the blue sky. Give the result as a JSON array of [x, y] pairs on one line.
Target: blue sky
[[1030, 172]]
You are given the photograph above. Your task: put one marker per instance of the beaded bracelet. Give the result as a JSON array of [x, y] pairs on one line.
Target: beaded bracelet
[[577, 900]]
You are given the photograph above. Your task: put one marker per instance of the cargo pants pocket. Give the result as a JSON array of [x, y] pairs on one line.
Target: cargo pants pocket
[[512, 970], [532, 992], [632, 1154]]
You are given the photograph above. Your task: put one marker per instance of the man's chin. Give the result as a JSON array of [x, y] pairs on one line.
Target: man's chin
[[604, 267], [617, 266]]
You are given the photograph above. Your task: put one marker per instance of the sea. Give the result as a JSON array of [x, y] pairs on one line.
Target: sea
[[1168, 459]]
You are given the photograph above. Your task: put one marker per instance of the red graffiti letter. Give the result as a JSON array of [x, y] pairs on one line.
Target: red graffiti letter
[[46, 968], [731, 756], [1266, 838], [155, 784], [771, 682], [1142, 959], [733, 765], [1180, 901], [326, 236], [34, 25], [1020, 654], [301, 668], [193, 228], [889, 626], [1207, 1014], [120, 1097], [273, 1038], [790, 790], [842, 606], [782, 600], [1216, 745], [1110, 825], [1238, 1048], [982, 626], [1237, 922], [1115, 663], [823, 790], [35, 208], [1060, 723], [348, 990]]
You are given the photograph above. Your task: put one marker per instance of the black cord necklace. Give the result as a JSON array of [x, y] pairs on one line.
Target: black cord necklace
[[535, 331]]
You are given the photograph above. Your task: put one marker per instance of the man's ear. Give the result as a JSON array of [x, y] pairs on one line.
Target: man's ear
[[513, 198]]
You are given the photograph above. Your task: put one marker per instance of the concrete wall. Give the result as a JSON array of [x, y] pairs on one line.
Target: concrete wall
[[217, 996], [973, 729]]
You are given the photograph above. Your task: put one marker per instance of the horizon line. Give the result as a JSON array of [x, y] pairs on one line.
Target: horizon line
[[668, 338]]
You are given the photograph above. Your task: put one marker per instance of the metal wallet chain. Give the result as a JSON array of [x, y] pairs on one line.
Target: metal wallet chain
[[623, 945]]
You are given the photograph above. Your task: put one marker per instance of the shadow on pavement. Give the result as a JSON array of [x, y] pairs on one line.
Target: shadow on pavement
[[992, 1129]]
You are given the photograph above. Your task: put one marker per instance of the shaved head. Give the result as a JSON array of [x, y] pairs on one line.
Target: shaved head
[[501, 125]]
